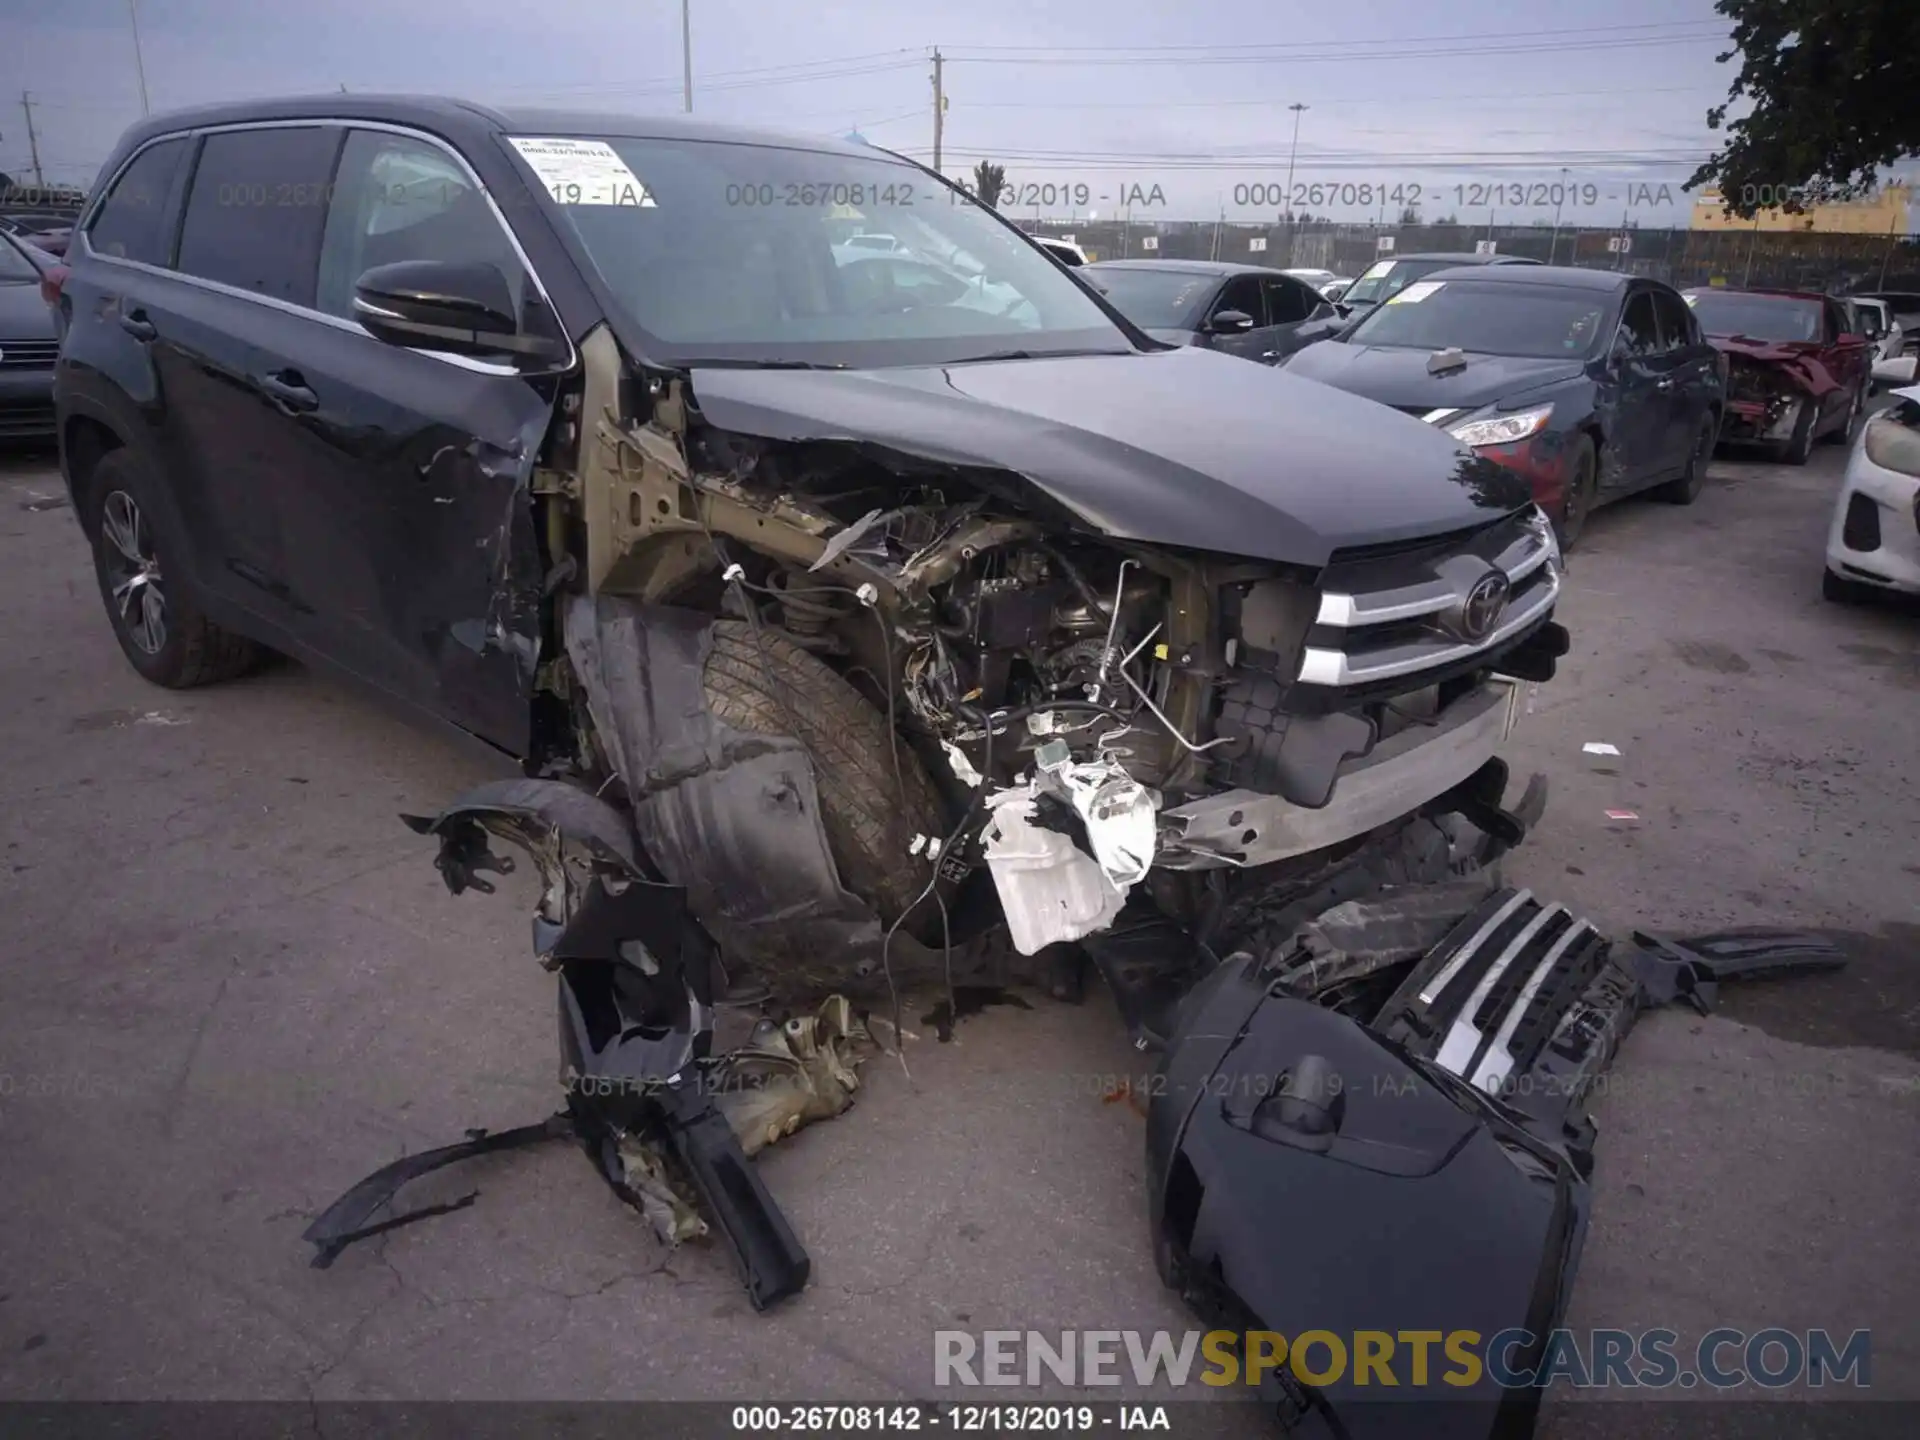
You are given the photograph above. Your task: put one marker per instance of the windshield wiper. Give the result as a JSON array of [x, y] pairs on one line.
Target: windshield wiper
[[736, 363], [1032, 355]]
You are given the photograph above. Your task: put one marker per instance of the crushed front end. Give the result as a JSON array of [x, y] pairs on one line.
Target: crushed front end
[[1075, 713]]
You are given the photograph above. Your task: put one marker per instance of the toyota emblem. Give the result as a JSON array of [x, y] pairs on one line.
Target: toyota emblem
[[1484, 604]]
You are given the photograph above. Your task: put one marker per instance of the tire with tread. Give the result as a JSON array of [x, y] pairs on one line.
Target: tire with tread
[[1799, 449], [195, 651], [771, 686]]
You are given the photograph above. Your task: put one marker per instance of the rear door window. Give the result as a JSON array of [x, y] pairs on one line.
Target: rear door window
[[1288, 301], [1639, 331], [1676, 325], [257, 207], [398, 198], [132, 223]]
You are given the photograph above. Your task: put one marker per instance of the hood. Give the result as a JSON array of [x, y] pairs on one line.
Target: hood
[[1397, 376], [1186, 447], [1798, 361]]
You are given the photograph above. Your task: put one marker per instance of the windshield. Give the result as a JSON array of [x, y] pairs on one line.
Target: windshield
[[1389, 277], [1758, 317], [756, 253], [1155, 299], [1530, 321], [14, 265]]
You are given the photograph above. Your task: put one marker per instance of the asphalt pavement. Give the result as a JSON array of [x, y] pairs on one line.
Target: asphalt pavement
[[232, 983]]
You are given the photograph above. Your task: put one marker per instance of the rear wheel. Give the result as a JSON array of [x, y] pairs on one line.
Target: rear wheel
[[773, 686], [1577, 500], [160, 629], [1686, 489]]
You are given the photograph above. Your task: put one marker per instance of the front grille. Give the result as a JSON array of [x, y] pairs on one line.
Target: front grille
[[28, 354], [1394, 617], [26, 422]]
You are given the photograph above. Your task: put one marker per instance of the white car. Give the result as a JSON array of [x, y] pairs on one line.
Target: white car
[[1318, 279], [1874, 541], [1065, 251], [1878, 324]]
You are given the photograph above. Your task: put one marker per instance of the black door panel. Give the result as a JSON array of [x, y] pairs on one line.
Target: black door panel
[[1640, 428], [417, 566]]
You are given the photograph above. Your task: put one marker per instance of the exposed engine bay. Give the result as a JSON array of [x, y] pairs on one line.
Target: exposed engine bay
[[1075, 713]]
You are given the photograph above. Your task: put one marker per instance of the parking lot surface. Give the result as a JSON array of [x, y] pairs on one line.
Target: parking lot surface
[[232, 984]]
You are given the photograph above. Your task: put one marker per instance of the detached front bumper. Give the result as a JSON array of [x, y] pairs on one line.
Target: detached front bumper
[[1401, 774]]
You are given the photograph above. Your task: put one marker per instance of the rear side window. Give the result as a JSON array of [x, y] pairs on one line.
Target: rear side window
[[258, 204], [396, 198], [132, 221]]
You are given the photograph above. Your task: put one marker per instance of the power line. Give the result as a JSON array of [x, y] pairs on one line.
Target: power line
[[1336, 57], [1563, 32], [1370, 100]]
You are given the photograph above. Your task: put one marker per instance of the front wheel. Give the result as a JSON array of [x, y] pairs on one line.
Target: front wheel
[[1799, 449], [1577, 500], [161, 631], [1854, 406]]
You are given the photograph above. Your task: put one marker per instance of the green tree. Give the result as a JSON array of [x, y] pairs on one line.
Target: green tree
[[1409, 216], [989, 183], [1832, 84]]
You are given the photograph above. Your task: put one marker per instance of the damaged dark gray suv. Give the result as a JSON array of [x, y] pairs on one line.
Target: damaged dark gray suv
[[856, 575]]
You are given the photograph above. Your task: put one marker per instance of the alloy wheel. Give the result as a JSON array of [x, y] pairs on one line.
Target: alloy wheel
[[134, 572]]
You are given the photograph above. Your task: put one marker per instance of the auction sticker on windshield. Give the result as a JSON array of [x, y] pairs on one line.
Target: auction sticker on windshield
[[1414, 294], [582, 172]]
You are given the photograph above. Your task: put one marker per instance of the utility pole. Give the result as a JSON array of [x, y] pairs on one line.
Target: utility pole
[[686, 52], [1559, 197], [1292, 155], [939, 109], [139, 64], [1754, 240], [33, 142]]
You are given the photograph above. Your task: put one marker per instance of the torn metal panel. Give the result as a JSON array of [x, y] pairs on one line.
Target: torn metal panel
[[733, 817]]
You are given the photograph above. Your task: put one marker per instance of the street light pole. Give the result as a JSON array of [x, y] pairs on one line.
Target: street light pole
[[139, 65], [1292, 155], [686, 52]]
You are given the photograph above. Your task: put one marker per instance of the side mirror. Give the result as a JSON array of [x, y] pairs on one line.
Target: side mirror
[[463, 308], [1852, 341], [1230, 322]]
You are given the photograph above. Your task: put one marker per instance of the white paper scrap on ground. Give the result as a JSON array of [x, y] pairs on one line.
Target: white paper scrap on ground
[[1600, 747], [581, 172]]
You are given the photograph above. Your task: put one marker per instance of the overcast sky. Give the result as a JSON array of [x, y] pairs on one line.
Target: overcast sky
[[1401, 94]]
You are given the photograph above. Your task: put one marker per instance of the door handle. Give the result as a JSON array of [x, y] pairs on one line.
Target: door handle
[[289, 391], [1270, 355], [1666, 384], [136, 324]]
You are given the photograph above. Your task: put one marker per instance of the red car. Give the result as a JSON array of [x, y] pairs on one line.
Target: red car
[[1795, 373]]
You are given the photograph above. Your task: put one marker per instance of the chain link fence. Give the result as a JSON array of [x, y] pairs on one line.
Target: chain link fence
[[1797, 260]]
